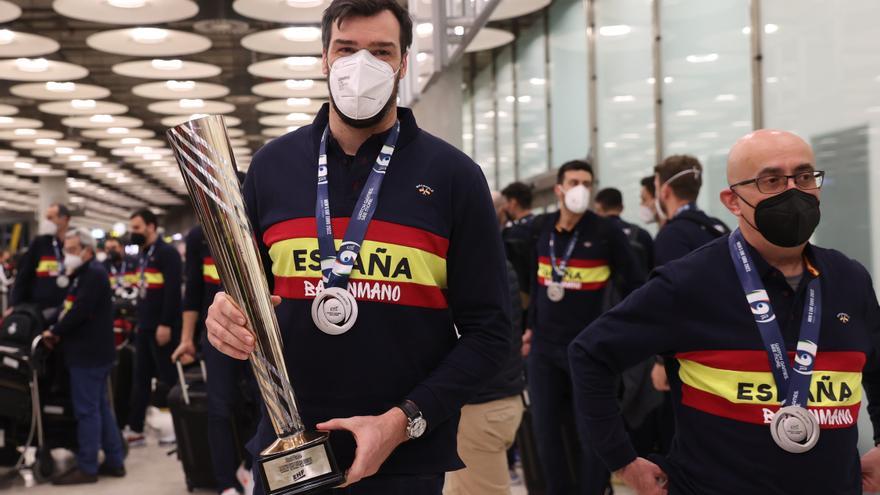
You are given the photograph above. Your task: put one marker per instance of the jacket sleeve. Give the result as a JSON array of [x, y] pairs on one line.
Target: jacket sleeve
[[195, 282], [171, 272], [87, 298], [478, 299], [871, 374], [251, 203], [25, 274], [639, 327]]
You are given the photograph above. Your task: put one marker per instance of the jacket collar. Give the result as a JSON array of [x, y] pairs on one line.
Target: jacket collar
[[409, 129]]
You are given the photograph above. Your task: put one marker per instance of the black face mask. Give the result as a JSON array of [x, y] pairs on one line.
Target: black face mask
[[788, 219], [115, 255], [138, 239]]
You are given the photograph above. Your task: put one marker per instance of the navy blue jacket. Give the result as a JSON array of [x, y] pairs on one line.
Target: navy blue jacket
[[202, 280], [641, 236], [86, 324], [694, 312], [685, 232], [162, 276], [432, 263], [122, 272], [36, 274]]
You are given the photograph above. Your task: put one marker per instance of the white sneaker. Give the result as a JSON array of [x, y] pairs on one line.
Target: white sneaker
[[167, 439], [246, 478], [133, 438]]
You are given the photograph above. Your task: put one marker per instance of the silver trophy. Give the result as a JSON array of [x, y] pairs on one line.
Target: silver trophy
[[299, 461]]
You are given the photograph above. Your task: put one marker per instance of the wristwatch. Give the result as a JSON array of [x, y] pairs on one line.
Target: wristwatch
[[415, 423]]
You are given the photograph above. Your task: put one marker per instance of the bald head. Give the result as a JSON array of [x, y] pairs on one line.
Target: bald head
[[766, 148]]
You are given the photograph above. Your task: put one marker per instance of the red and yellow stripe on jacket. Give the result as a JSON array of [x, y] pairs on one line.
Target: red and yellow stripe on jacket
[[209, 271], [580, 274], [68, 304], [397, 264], [47, 266], [739, 385], [154, 278], [129, 278]]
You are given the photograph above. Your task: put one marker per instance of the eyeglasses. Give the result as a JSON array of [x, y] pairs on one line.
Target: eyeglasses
[[772, 184]]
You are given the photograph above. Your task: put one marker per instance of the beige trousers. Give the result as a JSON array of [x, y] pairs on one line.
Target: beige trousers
[[485, 432]]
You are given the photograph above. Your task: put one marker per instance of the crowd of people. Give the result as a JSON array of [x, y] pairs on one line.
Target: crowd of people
[[663, 361]]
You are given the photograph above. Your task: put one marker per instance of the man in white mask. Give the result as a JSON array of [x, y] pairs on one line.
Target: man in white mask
[[423, 258], [578, 253]]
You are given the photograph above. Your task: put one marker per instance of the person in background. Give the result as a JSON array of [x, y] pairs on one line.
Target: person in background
[[158, 318], [677, 182], [518, 236], [609, 204], [85, 331], [202, 284], [722, 315], [489, 422], [647, 202], [578, 253], [41, 278], [120, 266]]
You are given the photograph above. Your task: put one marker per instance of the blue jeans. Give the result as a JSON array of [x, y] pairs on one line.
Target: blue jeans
[[224, 377], [150, 360], [550, 391], [95, 423]]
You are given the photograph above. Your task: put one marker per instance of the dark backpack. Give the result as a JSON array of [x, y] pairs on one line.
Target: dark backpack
[[716, 228], [19, 328]]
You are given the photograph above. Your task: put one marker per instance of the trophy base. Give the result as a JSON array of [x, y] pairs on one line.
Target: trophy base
[[299, 464]]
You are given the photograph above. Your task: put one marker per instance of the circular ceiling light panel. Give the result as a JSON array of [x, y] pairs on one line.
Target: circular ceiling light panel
[[173, 89], [278, 131], [294, 40], [118, 133], [82, 107], [295, 118], [127, 11], [130, 142], [45, 143], [6, 110], [9, 11], [289, 105], [160, 68], [29, 133], [140, 151], [233, 133], [489, 38], [284, 11], [148, 42], [101, 121], [295, 67], [176, 120], [509, 9], [18, 123], [194, 105], [54, 90], [40, 69], [292, 88], [17, 44]]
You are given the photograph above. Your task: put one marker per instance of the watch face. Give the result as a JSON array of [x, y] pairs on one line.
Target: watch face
[[417, 427]]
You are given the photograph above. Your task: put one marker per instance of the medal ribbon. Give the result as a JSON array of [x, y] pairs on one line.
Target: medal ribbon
[[792, 381], [58, 255], [336, 267], [558, 272], [143, 266]]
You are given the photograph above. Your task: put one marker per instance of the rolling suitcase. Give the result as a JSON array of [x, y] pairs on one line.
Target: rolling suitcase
[[528, 452], [188, 402]]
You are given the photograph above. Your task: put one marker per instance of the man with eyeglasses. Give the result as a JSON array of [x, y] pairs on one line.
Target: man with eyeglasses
[[751, 415]]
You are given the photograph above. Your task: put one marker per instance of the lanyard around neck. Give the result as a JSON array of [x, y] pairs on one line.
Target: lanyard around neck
[[558, 269], [336, 266], [792, 381]]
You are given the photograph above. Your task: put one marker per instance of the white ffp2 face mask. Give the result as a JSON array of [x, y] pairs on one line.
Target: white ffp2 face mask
[[361, 84], [577, 199], [647, 214], [72, 262]]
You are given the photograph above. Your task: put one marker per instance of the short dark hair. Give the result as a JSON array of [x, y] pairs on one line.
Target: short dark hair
[[63, 210], [340, 10], [113, 239], [648, 183], [610, 198], [573, 165], [519, 191], [686, 186], [147, 215]]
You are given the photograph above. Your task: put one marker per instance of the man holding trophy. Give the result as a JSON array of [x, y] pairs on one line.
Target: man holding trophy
[[380, 248]]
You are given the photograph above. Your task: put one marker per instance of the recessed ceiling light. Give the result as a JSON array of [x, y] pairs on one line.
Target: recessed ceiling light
[[160, 64], [131, 140], [421, 57], [624, 98], [180, 85], [32, 64], [458, 30], [192, 103], [24, 165], [101, 118], [45, 141], [117, 130], [615, 30], [700, 59], [6, 36], [770, 28], [149, 35], [25, 132], [301, 33], [92, 164], [299, 83], [64, 150], [304, 4], [686, 113], [127, 4], [77, 158], [6, 120], [152, 156], [299, 62], [537, 81], [83, 104], [425, 29], [298, 116], [299, 102], [60, 87]]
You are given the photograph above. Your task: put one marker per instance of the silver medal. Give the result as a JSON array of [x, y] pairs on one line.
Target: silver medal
[[794, 429], [142, 292], [555, 291], [63, 281], [334, 311]]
